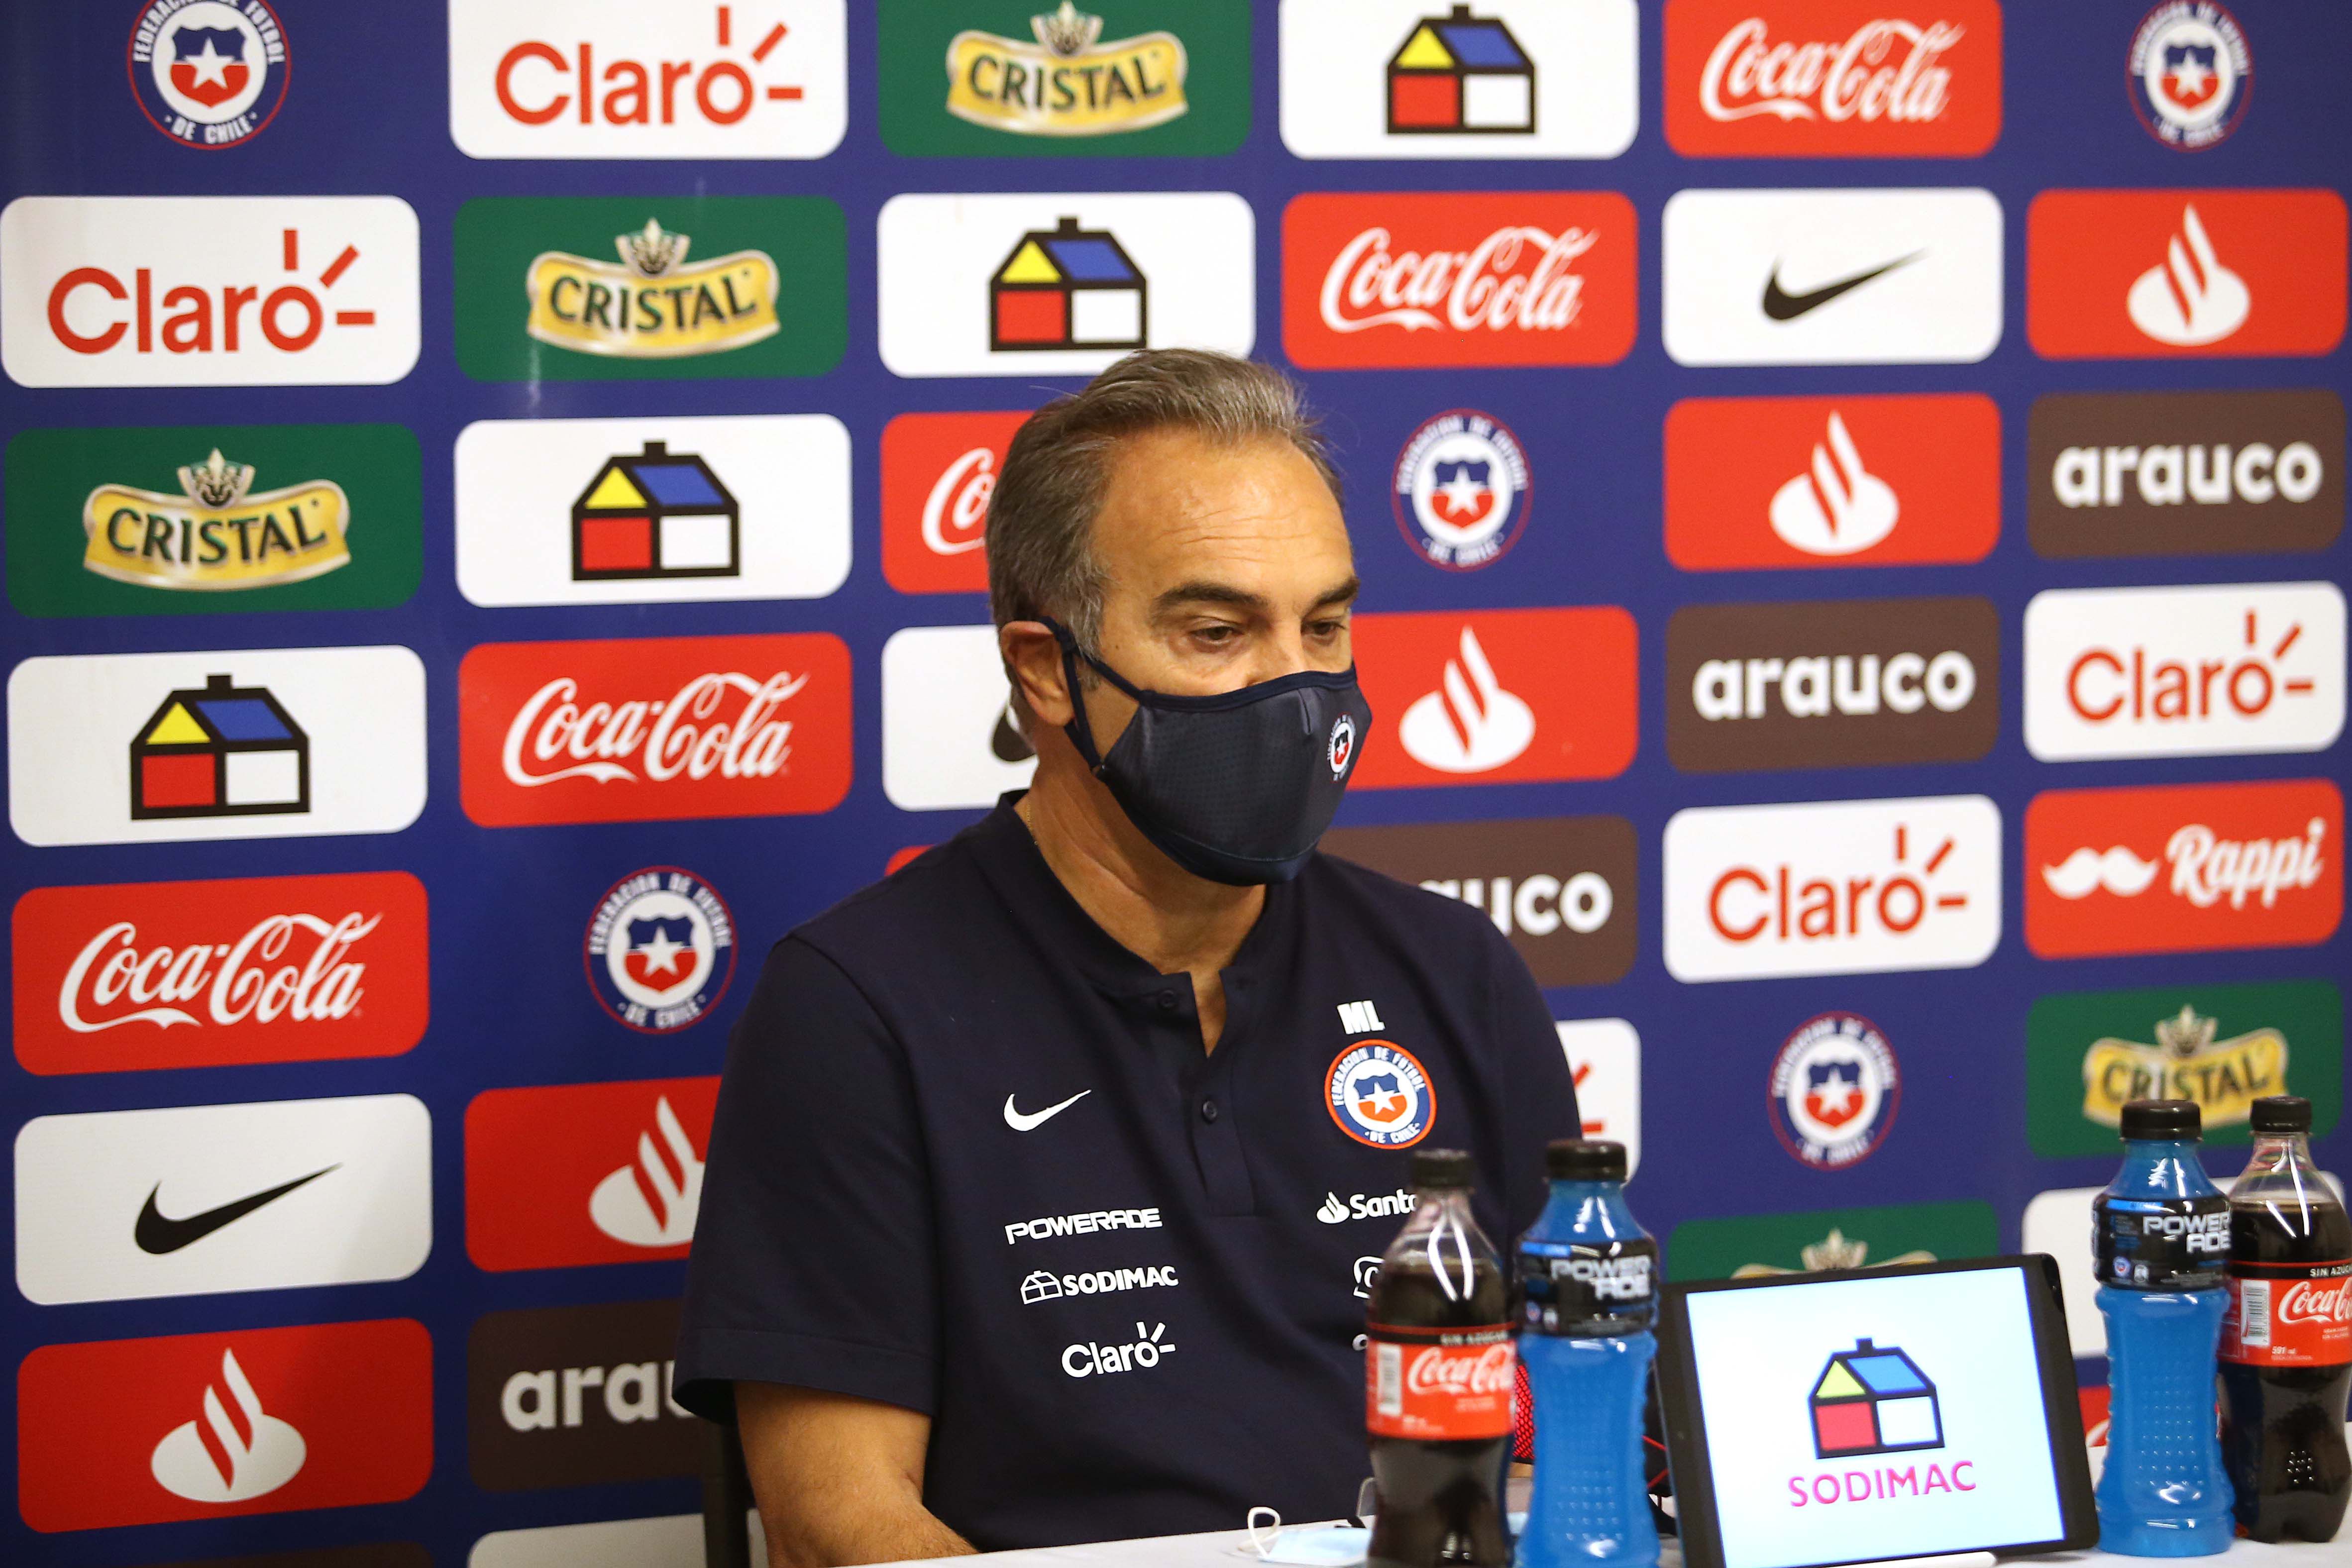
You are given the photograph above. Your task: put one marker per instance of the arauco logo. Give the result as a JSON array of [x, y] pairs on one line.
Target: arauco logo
[[576, 1396]]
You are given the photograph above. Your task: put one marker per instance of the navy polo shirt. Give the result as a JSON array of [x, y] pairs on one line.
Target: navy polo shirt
[[970, 1158]]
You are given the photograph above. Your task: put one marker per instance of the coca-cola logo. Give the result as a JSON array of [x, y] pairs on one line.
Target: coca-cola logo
[[939, 474], [653, 729], [1440, 1370], [208, 973], [2314, 1301], [1886, 69], [956, 511], [1491, 286]]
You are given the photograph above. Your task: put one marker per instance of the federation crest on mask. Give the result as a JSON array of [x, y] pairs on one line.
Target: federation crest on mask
[[660, 950], [1379, 1095]]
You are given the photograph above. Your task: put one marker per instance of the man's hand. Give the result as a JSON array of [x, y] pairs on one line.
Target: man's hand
[[839, 1479]]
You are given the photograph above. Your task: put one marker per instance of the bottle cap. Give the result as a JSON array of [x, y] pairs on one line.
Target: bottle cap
[[1582, 1159], [1434, 1169], [2281, 1114], [2168, 1121]]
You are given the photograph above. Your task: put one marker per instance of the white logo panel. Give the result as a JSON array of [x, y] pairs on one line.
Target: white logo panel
[[2208, 671], [646, 511], [1833, 277], [1061, 285], [674, 1541], [242, 743], [198, 1199], [948, 737], [1575, 92], [1605, 1056], [207, 291], [1833, 887], [618, 78]]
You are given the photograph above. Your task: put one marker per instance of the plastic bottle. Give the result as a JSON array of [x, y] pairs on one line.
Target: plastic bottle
[[1588, 1277], [2161, 1235]]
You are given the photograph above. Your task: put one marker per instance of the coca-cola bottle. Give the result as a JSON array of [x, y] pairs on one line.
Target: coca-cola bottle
[[1439, 1369], [2286, 1339]]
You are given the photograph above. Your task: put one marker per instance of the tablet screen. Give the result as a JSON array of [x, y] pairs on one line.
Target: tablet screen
[[1873, 1417]]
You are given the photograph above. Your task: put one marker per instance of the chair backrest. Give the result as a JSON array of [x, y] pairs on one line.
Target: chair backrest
[[726, 1499]]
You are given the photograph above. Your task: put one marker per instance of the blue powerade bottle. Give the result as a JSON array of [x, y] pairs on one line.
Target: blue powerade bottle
[[2161, 1234], [1588, 1274]]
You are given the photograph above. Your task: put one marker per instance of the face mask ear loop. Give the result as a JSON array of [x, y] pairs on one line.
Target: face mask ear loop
[[1080, 731]]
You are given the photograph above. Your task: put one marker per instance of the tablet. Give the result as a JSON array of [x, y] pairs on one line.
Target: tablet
[[1849, 1417]]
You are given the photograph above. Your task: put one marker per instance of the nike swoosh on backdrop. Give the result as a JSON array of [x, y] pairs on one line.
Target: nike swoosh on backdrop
[[1021, 1123], [1782, 306], [158, 1235]]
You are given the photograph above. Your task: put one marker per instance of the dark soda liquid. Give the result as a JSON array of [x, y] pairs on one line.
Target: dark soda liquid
[[1441, 1503], [2282, 1427]]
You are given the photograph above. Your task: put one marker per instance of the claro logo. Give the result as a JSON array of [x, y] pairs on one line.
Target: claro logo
[[2194, 473], [1562, 889], [939, 471], [1840, 887], [2184, 671], [1831, 685]]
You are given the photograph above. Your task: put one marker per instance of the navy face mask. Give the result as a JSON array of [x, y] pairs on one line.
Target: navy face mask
[[1238, 786]]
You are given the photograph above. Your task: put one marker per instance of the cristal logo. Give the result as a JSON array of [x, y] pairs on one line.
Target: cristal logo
[[1519, 278], [2206, 868], [2190, 298], [1886, 69], [654, 1202], [955, 513], [237, 1451], [1435, 1370], [1838, 507], [250, 983], [1470, 724]]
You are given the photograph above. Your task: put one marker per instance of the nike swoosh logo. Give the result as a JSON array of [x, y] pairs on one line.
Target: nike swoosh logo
[[159, 1235], [1021, 1123], [1782, 306]]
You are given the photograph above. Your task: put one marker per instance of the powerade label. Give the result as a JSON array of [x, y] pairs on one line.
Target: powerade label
[[1586, 1291], [2161, 1244], [2289, 1314], [1439, 1383]]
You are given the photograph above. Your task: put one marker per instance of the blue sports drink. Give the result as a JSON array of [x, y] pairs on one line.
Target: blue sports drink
[[2161, 1234], [1588, 1275]]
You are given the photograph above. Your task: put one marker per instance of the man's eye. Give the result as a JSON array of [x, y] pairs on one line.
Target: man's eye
[[1218, 633], [1327, 628]]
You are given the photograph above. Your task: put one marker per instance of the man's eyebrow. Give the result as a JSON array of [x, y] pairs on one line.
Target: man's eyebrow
[[1340, 595], [1209, 593]]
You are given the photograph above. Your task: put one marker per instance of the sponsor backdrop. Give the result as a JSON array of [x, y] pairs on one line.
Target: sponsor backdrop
[[1851, 500]]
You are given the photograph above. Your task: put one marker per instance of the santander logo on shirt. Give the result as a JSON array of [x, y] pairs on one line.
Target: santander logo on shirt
[[1498, 695], [586, 1173], [1397, 280], [206, 973], [653, 729], [939, 471], [1833, 78]]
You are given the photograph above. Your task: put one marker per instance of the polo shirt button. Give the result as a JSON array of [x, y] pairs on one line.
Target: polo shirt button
[[1165, 1001], [1209, 1111]]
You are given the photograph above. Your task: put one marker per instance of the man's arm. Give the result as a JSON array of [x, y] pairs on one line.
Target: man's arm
[[839, 1479]]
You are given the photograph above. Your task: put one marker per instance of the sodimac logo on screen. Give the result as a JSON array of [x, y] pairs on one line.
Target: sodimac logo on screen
[[586, 1173]]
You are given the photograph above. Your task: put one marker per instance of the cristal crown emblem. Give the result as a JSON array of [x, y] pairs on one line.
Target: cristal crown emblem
[[653, 250], [2186, 1034], [1067, 31], [217, 481]]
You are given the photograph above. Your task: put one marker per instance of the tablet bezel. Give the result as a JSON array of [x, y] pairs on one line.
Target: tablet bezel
[[1686, 1419]]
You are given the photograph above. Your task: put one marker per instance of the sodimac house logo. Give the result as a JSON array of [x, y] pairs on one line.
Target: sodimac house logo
[[1890, 480], [2184, 868], [152, 1431], [1831, 685], [939, 471], [570, 1174], [2184, 473], [1833, 78], [567, 1397], [1400, 280]]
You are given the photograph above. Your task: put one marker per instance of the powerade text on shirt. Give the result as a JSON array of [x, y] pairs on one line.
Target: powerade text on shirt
[[2161, 1244], [1587, 1290], [1048, 1225]]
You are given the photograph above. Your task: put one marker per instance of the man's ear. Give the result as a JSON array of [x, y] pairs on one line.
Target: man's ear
[[1034, 660]]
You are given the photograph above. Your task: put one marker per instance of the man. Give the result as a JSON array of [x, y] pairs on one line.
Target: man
[[1048, 1173]]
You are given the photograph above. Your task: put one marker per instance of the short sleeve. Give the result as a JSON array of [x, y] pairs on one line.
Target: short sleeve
[[813, 1262], [1541, 1103]]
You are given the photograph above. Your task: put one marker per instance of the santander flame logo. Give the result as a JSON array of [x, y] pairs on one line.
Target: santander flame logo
[[1838, 507], [1864, 78], [1470, 724], [1437, 1371], [260, 977], [1519, 278], [237, 1451], [685, 734], [2191, 299], [654, 1202]]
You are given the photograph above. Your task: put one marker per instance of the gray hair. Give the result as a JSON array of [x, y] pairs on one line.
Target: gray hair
[[1041, 557]]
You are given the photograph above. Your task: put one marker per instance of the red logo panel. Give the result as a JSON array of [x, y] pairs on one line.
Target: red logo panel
[[145, 1431], [586, 1173], [937, 473], [653, 729], [1391, 280], [1496, 696], [207, 974], [2189, 868], [1833, 78], [2147, 274], [1831, 481]]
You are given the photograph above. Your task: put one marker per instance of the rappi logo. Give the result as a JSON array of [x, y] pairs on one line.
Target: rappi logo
[[1833, 78], [1886, 480], [939, 471], [2188, 868], [2147, 274], [586, 1173], [150, 1431], [1397, 280], [653, 729], [136, 975], [1493, 696]]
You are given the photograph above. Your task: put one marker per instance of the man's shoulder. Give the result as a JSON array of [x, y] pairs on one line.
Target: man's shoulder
[[933, 907]]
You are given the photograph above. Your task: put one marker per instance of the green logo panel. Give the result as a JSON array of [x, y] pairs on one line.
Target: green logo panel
[[2223, 1046], [193, 520], [1832, 1238], [1017, 78], [662, 287]]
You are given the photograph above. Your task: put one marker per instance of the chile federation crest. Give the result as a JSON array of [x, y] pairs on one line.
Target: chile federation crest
[[660, 950], [208, 74], [1461, 490], [1834, 1089], [1379, 1095]]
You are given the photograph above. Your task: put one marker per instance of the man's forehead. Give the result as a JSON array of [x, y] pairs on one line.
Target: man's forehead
[[1178, 502]]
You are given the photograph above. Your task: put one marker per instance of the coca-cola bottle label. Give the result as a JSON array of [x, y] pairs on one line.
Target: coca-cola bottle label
[[2161, 1244], [1439, 1385], [2289, 1314], [1576, 1288]]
